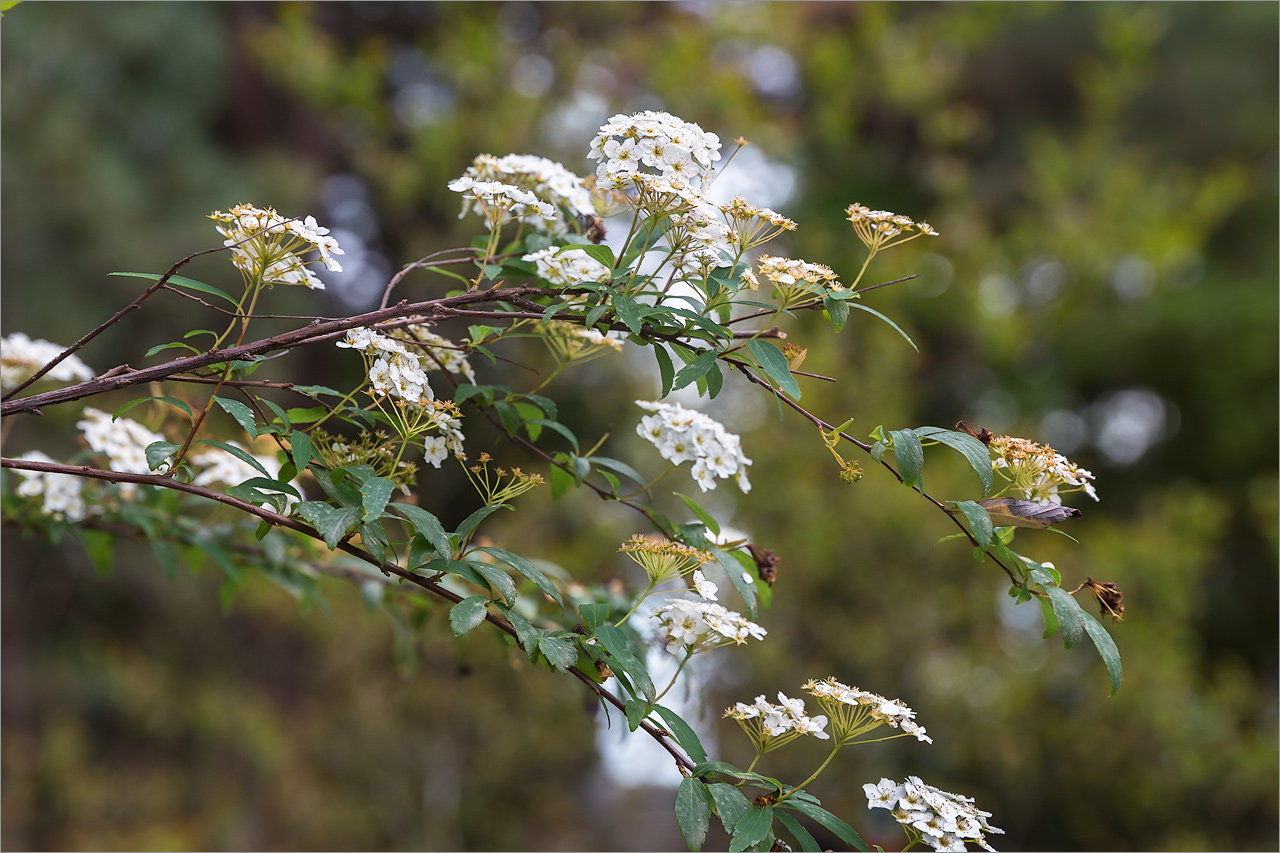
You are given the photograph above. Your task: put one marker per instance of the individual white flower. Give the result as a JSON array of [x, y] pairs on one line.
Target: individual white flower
[[704, 587], [63, 499], [884, 795], [21, 357], [683, 435], [436, 449]]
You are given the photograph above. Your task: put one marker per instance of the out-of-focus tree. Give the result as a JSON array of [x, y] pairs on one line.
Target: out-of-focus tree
[[1104, 178]]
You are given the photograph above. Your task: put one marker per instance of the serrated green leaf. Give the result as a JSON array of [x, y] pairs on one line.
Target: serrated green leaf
[[374, 494], [968, 446], [426, 524], [731, 804], [158, 451], [615, 642], [332, 523], [467, 614], [497, 578], [693, 811], [529, 570], [979, 522], [559, 652], [695, 369], [243, 455], [1106, 648], [683, 733], [628, 312], [242, 413], [775, 366], [525, 632], [751, 828], [910, 457]]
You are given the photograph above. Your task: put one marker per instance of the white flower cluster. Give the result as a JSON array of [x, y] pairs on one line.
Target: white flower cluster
[[876, 708], [20, 357], [124, 441], [945, 821], [876, 227], [565, 270], [546, 179], [657, 142], [62, 496], [1037, 470], [441, 352], [682, 434], [393, 369], [777, 720], [493, 199], [699, 625], [267, 247]]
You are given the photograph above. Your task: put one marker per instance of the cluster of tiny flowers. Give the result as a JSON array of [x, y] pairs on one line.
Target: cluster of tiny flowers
[[444, 417], [21, 357], [754, 225], [654, 142], [498, 202], [546, 179], [62, 492], [565, 270], [700, 625], [701, 241], [1037, 470], [795, 279], [393, 369], [124, 441], [682, 435], [664, 560], [876, 228], [770, 726], [266, 247], [571, 342], [441, 352], [855, 711], [943, 820]]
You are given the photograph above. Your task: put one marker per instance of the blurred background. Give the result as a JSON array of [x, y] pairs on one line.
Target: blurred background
[[1104, 178]]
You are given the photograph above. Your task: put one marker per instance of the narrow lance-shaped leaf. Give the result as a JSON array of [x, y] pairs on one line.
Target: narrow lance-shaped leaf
[[693, 811]]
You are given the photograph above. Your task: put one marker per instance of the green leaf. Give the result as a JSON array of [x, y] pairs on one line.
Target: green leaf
[[509, 415], [471, 522], [467, 614], [374, 540], [1065, 607], [702, 514], [242, 455], [560, 479], [715, 380], [615, 642], [666, 369], [618, 467], [306, 416], [600, 253], [529, 570], [558, 427], [332, 523], [374, 494], [183, 281], [798, 832], [242, 413], [695, 369], [171, 345], [628, 312], [751, 828], [876, 313], [301, 450], [736, 564], [910, 457], [837, 310], [979, 522], [731, 804], [972, 449], [775, 365], [1106, 647], [834, 824], [693, 811], [1051, 625], [559, 652], [525, 633], [498, 579], [158, 451], [172, 401], [636, 711], [426, 524], [683, 733]]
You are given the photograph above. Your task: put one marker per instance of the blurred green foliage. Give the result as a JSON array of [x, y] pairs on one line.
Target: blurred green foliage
[[1104, 177]]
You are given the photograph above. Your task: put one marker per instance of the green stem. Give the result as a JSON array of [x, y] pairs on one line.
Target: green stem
[[687, 657], [639, 600], [821, 767]]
